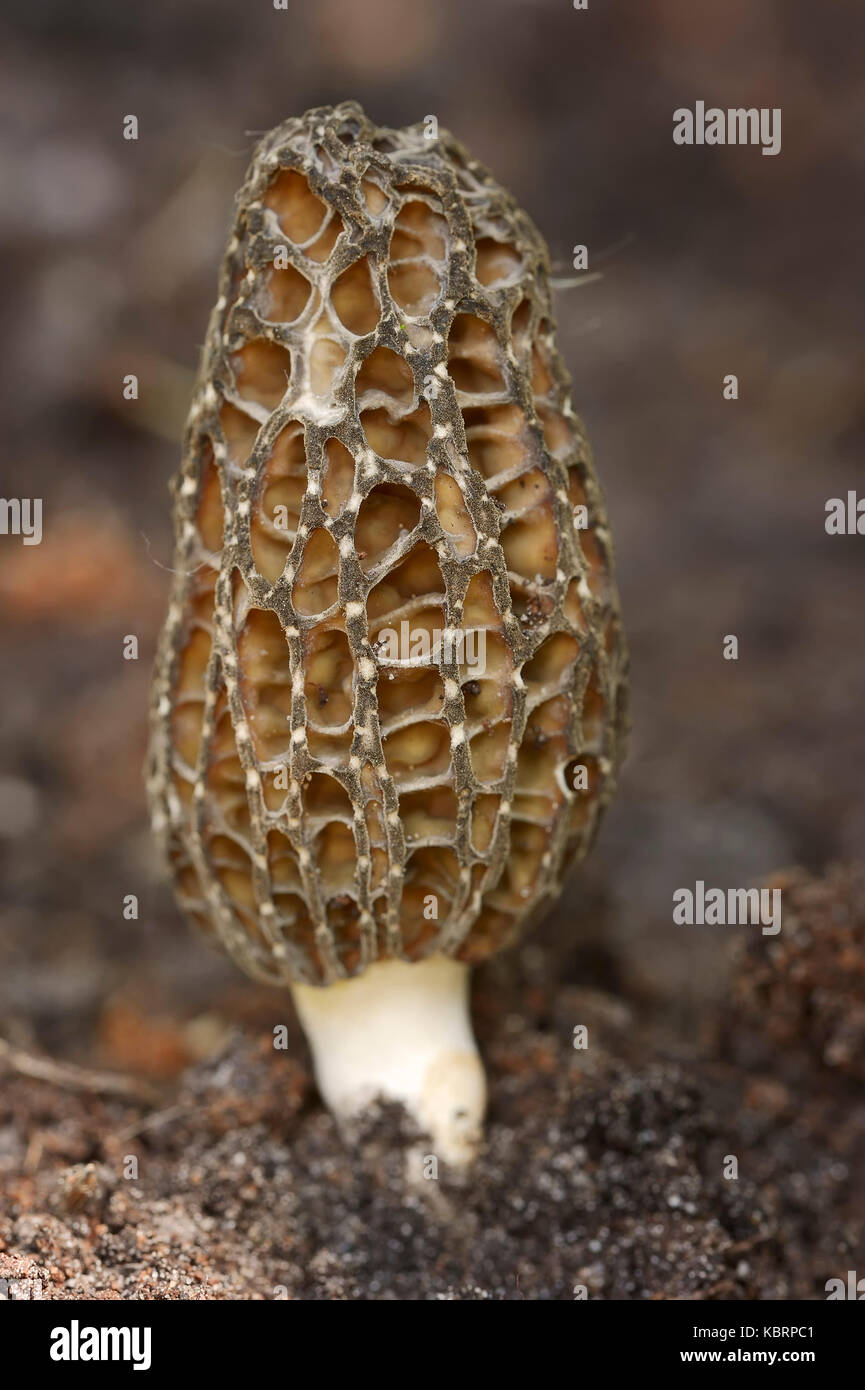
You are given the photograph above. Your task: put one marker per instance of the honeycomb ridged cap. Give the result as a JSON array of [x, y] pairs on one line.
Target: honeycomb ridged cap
[[394, 637]]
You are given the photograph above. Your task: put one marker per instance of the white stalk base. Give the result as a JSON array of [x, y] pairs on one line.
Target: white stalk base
[[401, 1031]]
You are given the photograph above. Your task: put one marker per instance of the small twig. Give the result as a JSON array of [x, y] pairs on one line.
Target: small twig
[[152, 1121], [70, 1077]]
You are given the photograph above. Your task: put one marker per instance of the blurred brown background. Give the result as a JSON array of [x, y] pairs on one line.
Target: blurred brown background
[[714, 260]]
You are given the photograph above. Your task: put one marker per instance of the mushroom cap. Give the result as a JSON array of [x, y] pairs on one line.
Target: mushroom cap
[[389, 646]]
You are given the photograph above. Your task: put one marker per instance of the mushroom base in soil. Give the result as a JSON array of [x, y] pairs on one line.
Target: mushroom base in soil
[[401, 1032], [382, 452]]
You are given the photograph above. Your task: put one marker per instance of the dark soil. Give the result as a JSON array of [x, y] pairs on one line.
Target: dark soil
[[607, 1173]]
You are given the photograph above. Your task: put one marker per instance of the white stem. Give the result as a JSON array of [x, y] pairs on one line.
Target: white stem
[[401, 1031]]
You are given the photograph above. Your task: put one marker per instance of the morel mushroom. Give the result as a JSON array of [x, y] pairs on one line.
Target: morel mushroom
[[389, 700]]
